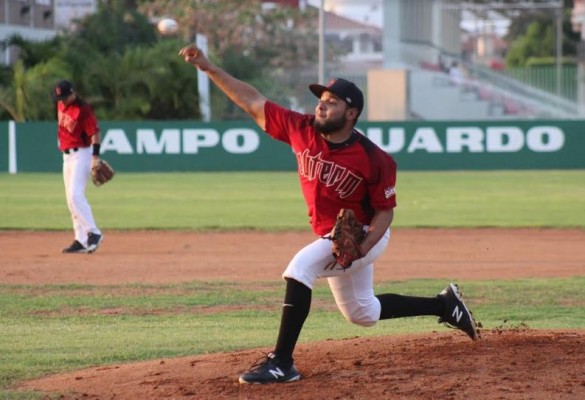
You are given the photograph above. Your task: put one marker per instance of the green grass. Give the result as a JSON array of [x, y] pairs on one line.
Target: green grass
[[55, 328], [496, 199], [48, 329], [273, 201]]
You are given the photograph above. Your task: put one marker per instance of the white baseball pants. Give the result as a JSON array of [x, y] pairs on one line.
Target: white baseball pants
[[353, 288], [76, 171]]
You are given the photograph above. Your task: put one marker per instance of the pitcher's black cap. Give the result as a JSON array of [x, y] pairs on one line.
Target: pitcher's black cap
[[344, 89]]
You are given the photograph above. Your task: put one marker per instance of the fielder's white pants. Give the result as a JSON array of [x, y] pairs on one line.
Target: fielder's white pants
[[76, 171], [353, 288]]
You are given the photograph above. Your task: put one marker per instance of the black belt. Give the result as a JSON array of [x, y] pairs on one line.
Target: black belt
[[71, 150]]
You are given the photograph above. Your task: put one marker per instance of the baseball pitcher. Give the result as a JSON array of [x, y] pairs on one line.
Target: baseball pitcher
[[339, 169]]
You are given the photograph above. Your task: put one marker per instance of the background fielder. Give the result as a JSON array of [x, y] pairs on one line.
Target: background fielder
[[79, 141], [338, 168]]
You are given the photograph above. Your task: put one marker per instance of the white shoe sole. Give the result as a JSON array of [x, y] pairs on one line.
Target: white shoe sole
[[92, 248], [293, 379]]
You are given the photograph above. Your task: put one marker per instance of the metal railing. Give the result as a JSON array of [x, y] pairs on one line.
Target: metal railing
[[529, 92]]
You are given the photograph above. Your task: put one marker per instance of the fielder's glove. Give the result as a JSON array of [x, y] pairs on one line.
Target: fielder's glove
[[101, 172], [347, 234]]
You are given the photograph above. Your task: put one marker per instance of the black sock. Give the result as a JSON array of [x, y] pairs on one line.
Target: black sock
[[397, 306], [297, 303]]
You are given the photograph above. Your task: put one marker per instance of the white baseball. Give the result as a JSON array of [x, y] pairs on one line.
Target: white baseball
[[167, 26]]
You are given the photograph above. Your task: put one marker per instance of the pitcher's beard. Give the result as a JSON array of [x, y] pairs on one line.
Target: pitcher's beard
[[329, 126]]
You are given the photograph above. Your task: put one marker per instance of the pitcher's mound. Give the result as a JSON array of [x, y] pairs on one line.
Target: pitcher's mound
[[504, 364]]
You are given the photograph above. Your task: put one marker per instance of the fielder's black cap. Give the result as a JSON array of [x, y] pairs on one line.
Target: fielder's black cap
[[62, 90], [343, 89]]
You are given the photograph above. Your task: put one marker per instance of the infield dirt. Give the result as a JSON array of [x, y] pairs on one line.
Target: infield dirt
[[505, 364]]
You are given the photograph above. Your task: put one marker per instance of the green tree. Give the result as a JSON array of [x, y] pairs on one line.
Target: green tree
[[254, 44], [532, 35], [115, 27], [146, 82], [126, 70], [33, 53], [538, 41], [27, 98]]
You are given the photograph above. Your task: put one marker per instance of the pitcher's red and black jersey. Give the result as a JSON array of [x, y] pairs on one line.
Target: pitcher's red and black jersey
[[356, 174]]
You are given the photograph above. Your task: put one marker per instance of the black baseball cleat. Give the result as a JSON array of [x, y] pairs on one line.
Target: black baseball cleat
[[75, 247], [93, 242], [268, 369], [456, 314]]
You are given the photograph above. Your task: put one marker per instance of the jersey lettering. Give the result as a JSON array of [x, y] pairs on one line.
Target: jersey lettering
[[329, 173], [389, 192], [67, 122], [348, 185]]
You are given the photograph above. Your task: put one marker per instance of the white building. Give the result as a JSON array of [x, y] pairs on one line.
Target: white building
[[38, 20]]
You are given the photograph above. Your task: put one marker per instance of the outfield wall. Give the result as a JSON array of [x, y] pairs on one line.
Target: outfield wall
[[163, 146]]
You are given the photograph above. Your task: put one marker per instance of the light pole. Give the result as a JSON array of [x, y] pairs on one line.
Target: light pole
[[322, 42], [203, 82]]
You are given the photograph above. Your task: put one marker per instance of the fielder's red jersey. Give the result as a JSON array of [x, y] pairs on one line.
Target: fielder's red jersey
[[356, 174], [76, 123]]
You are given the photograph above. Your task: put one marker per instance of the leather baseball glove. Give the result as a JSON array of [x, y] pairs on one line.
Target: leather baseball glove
[[101, 172], [347, 234]]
